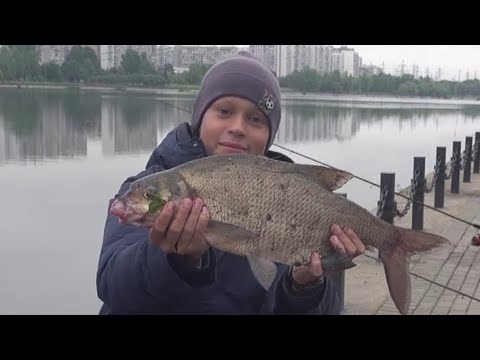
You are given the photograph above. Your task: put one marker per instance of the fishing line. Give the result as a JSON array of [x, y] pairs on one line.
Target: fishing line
[[433, 282], [355, 176], [374, 184]]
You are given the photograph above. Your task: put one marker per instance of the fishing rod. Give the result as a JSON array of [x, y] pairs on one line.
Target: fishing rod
[[355, 176]]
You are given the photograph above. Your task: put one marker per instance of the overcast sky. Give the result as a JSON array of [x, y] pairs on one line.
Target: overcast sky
[[450, 58]]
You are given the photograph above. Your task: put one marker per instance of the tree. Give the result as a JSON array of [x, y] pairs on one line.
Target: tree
[[52, 72], [135, 63], [7, 63], [26, 59], [19, 62], [81, 63], [168, 71], [196, 72]]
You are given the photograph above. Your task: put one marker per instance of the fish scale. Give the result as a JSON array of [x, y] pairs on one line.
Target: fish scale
[[299, 208], [276, 211], [228, 203]]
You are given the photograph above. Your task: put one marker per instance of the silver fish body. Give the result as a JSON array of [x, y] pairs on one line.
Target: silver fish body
[[282, 212], [289, 207]]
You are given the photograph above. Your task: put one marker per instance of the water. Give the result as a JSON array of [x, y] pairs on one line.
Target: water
[[63, 155]]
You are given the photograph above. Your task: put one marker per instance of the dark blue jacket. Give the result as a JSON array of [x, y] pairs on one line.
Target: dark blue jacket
[[135, 277]]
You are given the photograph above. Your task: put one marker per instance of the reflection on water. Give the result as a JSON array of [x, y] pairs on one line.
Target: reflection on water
[[39, 125], [127, 125], [310, 123], [63, 155], [36, 125]]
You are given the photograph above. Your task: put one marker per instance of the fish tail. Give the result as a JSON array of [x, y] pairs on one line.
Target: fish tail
[[396, 262]]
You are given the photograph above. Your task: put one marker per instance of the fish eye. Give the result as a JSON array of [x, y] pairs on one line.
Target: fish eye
[[149, 192]]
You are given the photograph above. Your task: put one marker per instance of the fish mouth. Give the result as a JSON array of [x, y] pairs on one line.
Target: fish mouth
[[128, 215]]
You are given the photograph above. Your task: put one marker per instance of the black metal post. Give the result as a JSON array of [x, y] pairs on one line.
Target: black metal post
[[417, 206], [387, 182], [457, 158], [476, 158], [440, 179], [468, 159]]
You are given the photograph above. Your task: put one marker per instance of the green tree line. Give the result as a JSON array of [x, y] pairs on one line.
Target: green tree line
[[82, 65], [309, 80]]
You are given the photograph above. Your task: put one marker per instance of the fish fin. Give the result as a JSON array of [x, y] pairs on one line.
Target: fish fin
[[415, 241], [224, 235], [263, 270], [397, 271], [396, 262], [329, 178], [336, 262]]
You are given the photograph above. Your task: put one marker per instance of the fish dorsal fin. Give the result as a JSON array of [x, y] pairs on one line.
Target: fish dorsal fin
[[329, 178]]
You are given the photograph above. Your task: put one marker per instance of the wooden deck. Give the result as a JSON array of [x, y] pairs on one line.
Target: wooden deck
[[457, 266]]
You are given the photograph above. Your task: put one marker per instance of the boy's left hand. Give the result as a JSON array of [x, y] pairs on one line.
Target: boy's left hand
[[345, 241]]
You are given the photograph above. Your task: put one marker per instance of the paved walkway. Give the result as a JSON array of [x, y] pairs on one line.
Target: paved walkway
[[457, 266]]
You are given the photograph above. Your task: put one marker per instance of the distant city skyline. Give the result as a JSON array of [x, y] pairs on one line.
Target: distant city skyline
[[450, 58], [457, 62]]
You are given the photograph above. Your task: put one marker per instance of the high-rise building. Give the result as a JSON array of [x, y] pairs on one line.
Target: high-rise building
[[267, 53], [53, 53], [286, 59]]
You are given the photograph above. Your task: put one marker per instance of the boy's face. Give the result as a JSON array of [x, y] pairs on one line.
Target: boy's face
[[233, 125]]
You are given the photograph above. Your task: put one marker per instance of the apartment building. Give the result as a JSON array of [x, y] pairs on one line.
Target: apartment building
[[285, 59]]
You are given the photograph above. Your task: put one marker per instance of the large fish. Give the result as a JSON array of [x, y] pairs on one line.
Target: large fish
[[274, 211]]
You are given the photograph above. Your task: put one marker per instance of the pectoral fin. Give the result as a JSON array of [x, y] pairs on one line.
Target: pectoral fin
[[232, 238], [228, 237], [263, 270], [228, 232]]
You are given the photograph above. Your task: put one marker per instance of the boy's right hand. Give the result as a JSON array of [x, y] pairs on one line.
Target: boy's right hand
[[180, 229]]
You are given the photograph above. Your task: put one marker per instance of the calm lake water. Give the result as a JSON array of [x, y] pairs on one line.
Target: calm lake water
[[63, 155]]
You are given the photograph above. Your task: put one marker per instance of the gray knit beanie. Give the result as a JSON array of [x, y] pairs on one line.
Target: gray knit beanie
[[245, 76]]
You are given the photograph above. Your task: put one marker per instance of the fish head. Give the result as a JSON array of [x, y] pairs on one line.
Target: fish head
[[141, 204]]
